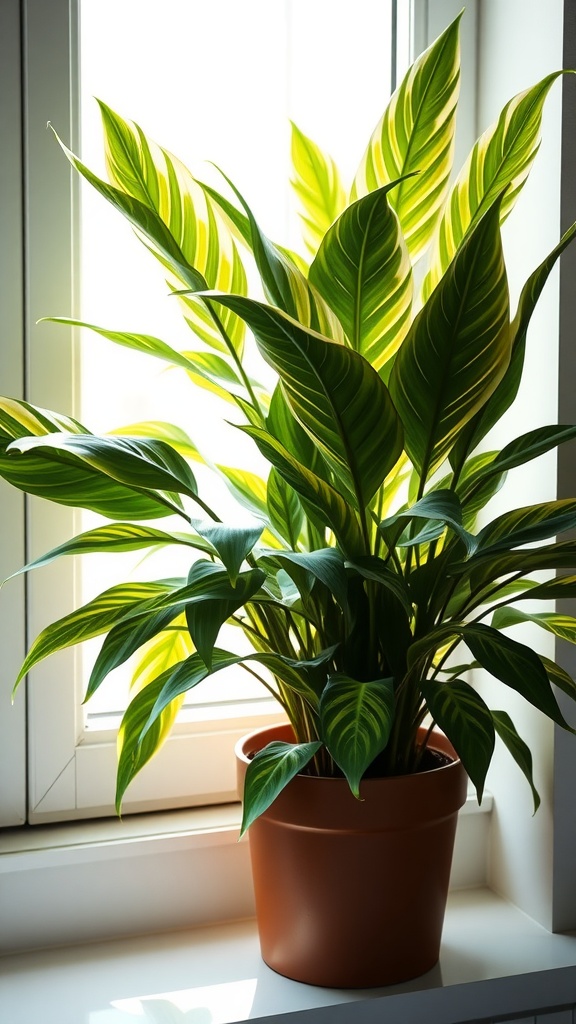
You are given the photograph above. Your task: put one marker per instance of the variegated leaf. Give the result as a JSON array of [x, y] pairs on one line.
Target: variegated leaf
[[334, 393], [156, 178], [134, 752], [500, 159], [416, 133], [92, 619], [331, 509], [20, 419], [560, 625], [467, 722], [135, 463], [116, 537], [318, 186], [284, 283], [269, 771], [363, 271], [160, 430], [507, 390], [457, 350], [355, 723], [527, 525]]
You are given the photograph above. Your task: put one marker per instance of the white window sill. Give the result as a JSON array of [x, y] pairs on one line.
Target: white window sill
[[150, 873], [495, 962]]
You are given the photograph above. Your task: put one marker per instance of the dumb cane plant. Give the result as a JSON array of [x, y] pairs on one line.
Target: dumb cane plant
[[361, 571]]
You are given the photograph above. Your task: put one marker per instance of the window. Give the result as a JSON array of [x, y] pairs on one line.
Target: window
[[70, 54]]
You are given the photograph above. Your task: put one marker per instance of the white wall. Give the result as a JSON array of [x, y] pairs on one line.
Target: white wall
[[521, 42]]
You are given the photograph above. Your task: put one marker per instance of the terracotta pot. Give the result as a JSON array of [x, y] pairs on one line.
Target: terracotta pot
[[351, 894]]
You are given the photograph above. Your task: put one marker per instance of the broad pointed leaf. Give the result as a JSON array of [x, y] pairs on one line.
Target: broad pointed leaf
[[416, 133], [269, 771], [284, 283], [160, 430], [80, 486], [139, 463], [284, 508], [113, 538], [527, 525], [147, 344], [325, 565], [363, 271], [20, 419], [334, 393], [440, 505], [559, 677], [457, 350], [233, 543], [153, 176], [208, 583], [467, 721], [193, 670], [207, 615], [560, 625], [520, 451], [507, 390], [248, 488], [133, 751], [355, 723], [515, 665]]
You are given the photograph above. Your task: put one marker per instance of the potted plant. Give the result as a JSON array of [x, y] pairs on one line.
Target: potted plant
[[362, 581]]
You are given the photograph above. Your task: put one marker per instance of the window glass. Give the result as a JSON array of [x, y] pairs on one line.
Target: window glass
[[210, 82]]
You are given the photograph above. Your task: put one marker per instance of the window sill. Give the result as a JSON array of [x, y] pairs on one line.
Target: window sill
[[150, 873], [495, 962]]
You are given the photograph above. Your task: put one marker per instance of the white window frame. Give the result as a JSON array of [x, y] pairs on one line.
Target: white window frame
[[547, 850]]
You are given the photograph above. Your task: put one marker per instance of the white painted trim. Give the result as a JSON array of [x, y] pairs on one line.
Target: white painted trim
[[12, 609], [152, 872]]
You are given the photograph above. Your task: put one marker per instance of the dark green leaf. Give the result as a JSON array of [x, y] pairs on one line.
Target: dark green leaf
[[233, 543], [269, 771], [520, 751], [527, 525], [457, 350], [439, 505], [515, 665], [462, 714], [205, 617]]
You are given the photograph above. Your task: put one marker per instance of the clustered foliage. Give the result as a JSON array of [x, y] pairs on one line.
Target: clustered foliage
[[361, 570]]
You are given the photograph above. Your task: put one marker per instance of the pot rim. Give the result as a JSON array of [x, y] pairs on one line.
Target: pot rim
[[443, 745]]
